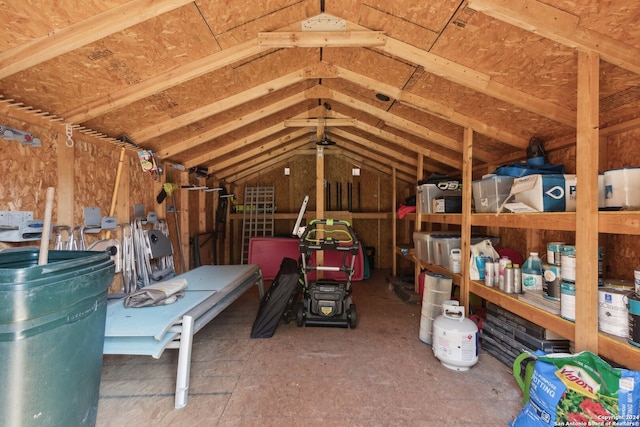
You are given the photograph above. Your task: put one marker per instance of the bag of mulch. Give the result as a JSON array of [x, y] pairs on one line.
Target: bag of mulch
[[580, 390]]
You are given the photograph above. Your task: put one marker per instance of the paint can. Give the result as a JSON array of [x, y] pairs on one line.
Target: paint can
[[568, 300], [554, 252], [613, 315], [568, 263], [636, 279], [551, 281], [633, 301]]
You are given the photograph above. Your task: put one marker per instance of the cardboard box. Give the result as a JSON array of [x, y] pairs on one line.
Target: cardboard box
[[447, 204], [546, 193]]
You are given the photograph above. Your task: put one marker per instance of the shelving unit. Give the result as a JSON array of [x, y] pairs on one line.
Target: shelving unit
[[613, 348], [588, 224]]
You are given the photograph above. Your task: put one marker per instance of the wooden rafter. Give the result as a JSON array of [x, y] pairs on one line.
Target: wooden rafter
[[82, 33], [162, 82], [220, 106], [322, 39], [561, 27]]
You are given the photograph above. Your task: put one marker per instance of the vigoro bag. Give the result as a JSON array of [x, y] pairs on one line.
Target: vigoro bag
[[580, 390]]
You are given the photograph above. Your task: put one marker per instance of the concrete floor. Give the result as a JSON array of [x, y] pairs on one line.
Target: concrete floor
[[379, 374]]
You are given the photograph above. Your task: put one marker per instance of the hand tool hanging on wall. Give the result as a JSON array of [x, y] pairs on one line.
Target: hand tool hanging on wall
[[167, 191], [11, 134]]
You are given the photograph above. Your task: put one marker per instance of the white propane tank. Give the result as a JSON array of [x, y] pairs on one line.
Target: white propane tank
[[455, 338]]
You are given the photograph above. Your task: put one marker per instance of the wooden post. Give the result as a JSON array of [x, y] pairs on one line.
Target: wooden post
[[465, 249], [587, 150], [394, 222]]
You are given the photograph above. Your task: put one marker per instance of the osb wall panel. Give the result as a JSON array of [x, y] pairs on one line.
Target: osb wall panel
[[371, 64], [46, 17], [95, 171], [141, 187], [28, 171], [622, 253], [406, 21], [122, 59], [237, 22], [487, 109], [513, 57], [615, 18]]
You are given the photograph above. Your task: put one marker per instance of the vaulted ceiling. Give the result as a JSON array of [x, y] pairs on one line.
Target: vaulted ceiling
[[242, 86]]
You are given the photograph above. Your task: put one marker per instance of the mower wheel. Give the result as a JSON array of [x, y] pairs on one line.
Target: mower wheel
[[351, 316]]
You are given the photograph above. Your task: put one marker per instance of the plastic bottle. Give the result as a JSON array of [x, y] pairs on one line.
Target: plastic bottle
[[517, 279], [501, 266], [532, 274]]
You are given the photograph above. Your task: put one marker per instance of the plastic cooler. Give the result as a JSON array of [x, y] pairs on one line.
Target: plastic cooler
[[51, 336]]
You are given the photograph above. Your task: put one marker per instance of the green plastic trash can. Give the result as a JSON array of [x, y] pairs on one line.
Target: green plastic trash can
[[52, 325]]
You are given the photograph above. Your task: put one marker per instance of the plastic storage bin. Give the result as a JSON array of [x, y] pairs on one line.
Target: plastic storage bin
[[489, 193], [622, 188], [51, 336], [442, 245], [426, 193], [422, 245]]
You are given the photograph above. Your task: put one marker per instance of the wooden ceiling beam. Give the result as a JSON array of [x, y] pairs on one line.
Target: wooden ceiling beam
[[163, 81], [221, 151], [369, 147], [321, 121], [408, 126], [378, 163], [561, 27], [82, 33], [454, 162], [219, 106], [383, 156], [259, 167], [288, 39], [475, 80], [273, 147], [236, 124], [435, 159], [431, 107]]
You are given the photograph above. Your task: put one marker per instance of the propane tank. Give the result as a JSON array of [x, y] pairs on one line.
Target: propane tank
[[455, 338]]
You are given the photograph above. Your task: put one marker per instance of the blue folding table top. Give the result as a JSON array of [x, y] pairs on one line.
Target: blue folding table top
[[147, 330]]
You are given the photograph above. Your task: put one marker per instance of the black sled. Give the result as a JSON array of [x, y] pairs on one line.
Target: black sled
[[278, 301]]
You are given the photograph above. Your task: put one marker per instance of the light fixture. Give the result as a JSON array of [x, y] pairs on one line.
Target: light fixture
[[287, 171], [355, 171], [325, 142]]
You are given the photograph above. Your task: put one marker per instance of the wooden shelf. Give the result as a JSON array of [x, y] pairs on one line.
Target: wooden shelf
[[626, 222], [565, 221], [619, 350], [615, 349], [457, 278], [309, 215], [536, 315], [450, 218]]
